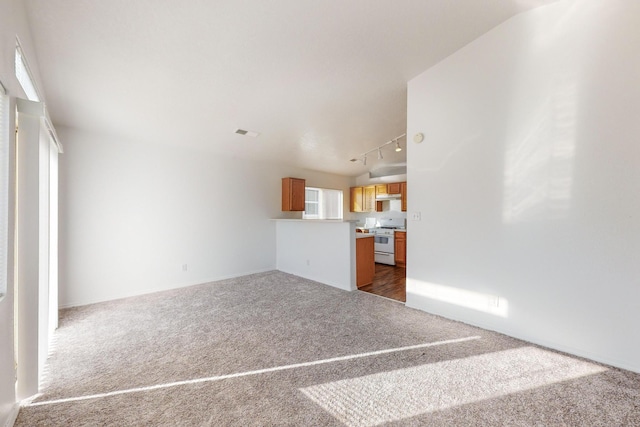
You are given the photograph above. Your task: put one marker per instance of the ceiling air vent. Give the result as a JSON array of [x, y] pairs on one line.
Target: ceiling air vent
[[247, 132]]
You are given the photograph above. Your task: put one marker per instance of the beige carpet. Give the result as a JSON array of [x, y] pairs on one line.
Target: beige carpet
[[273, 349]]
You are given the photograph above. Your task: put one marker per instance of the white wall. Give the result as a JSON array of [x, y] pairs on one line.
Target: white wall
[[132, 213], [528, 181], [323, 251], [13, 22]]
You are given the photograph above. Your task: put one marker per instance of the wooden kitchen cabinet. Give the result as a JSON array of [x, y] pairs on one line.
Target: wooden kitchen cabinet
[[393, 188], [363, 199], [293, 190], [365, 261], [357, 199], [400, 240], [381, 189], [403, 193], [370, 198]]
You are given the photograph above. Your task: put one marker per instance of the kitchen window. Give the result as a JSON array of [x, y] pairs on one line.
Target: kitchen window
[[322, 203], [311, 202]]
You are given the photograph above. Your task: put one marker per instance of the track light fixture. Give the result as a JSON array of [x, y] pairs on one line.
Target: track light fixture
[[379, 149]]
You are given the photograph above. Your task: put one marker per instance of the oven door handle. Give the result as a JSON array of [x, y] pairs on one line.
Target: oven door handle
[[378, 239]]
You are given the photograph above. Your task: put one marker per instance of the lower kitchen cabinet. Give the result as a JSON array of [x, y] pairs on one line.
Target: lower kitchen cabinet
[[401, 248], [365, 261], [403, 193]]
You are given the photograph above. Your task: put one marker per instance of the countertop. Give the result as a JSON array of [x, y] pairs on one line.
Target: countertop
[[363, 235], [402, 231], [325, 221]]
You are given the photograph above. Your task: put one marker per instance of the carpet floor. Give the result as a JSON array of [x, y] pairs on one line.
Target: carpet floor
[[273, 349]]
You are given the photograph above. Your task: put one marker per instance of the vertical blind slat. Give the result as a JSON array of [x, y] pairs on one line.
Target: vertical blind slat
[[4, 190]]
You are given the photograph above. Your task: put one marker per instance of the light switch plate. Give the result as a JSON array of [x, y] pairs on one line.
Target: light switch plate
[[416, 216]]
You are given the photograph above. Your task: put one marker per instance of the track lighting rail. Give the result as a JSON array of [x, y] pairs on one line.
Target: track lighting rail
[[363, 157]]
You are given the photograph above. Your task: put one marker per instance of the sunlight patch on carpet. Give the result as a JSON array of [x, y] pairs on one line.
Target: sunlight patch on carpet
[[392, 396], [255, 372]]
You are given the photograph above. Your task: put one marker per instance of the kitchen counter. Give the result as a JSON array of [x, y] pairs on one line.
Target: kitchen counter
[[324, 221], [363, 235], [402, 231], [364, 230]]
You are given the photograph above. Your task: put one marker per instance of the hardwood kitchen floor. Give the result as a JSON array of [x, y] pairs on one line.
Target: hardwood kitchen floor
[[389, 281]]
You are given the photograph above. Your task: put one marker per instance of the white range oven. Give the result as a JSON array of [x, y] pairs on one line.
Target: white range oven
[[384, 244]]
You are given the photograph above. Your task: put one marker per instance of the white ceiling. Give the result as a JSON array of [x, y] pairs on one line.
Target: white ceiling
[[321, 80]]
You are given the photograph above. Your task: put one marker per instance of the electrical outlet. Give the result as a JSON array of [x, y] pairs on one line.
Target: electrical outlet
[[416, 216]]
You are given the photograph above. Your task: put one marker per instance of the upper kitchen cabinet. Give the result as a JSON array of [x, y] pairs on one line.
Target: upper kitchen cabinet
[[363, 199], [403, 194], [381, 189], [293, 194], [357, 199], [370, 198], [394, 188]]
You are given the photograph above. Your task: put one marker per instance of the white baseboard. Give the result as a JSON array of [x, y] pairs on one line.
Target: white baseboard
[[153, 290], [11, 416], [537, 340]]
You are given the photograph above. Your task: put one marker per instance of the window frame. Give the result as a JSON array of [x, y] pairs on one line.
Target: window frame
[[24, 75], [320, 203], [308, 202]]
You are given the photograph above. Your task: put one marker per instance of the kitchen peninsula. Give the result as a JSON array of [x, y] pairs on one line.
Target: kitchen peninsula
[[365, 259], [320, 250]]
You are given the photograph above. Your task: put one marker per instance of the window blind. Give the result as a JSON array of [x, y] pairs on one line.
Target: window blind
[[4, 189], [24, 75], [332, 206]]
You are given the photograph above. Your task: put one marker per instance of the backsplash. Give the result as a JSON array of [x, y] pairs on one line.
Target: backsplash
[[361, 217]]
